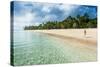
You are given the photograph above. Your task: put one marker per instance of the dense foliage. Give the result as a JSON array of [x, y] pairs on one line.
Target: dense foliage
[[70, 22]]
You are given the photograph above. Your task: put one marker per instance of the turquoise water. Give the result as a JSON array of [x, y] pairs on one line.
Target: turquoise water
[[38, 48]]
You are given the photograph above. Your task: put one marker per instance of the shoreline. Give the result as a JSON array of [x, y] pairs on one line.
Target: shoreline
[[73, 38], [74, 35]]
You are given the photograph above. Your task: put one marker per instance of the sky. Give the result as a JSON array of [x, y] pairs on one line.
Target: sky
[[33, 13]]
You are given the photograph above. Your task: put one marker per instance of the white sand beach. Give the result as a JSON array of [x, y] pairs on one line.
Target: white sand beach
[[75, 36]]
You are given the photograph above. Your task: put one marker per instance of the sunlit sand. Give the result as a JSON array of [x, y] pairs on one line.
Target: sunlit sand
[[75, 36]]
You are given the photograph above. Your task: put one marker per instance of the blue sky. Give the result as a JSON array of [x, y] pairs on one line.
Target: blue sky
[[29, 13]]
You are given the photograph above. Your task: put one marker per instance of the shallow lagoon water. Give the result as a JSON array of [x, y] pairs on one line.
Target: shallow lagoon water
[[38, 48]]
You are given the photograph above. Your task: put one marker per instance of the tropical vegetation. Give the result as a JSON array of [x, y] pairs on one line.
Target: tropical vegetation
[[78, 21]]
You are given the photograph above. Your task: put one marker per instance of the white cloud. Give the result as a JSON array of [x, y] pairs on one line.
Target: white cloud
[[24, 20], [46, 9], [67, 8], [49, 17]]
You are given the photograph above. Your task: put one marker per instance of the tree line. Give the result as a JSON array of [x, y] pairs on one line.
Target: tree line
[[78, 21]]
